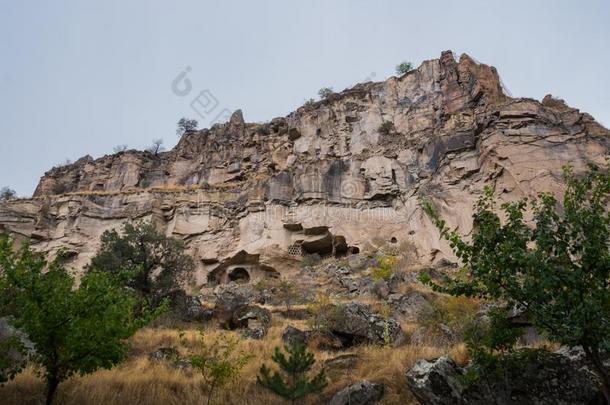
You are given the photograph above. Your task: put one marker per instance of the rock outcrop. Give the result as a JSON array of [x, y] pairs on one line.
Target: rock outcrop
[[549, 379], [324, 179]]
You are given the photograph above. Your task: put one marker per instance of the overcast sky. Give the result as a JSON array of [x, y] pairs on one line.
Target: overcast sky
[[79, 77]]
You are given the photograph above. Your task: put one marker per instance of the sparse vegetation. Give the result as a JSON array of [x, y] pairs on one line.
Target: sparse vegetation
[[556, 271], [403, 67], [296, 384], [7, 193], [309, 102], [156, 147], [120, 148], [75, 330], [287, 293], [324, 92], [143, 259], [310, 259], [218, 362], [185, 125], [384, 267], [386, 128]]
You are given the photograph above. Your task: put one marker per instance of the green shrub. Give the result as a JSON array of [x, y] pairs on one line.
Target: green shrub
[[324, 92], [310, 259], [403, 67], [385, 267], [386, 128]]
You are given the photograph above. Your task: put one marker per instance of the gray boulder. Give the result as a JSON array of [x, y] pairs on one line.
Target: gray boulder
[[355, 323], [16, 348], [230, 297], [254, 319], [292, 336], [188, 308], [409, 306], [360, 393], [534, 379]]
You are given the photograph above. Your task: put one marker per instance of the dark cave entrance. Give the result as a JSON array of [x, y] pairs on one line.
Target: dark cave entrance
[[239, 275]]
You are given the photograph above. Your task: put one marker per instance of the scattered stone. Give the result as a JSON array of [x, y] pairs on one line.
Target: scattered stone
[[168, 354], [359, 393]]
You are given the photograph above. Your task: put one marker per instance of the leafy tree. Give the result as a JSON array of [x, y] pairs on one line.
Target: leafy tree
[[218, 362], [403, 67], [76, 330], [143, 258], [558, 270], [156, 147], [324, 92], [7, 193], [386, 128], [185, 125], [296, 366]]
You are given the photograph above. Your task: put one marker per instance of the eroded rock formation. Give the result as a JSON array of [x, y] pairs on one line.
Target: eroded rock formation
[[324, 178]]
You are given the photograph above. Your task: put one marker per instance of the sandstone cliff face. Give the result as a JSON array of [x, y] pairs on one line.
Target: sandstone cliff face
[[324, 178]]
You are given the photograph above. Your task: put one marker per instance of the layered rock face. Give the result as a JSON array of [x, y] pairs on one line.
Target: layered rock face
[[327, 178]]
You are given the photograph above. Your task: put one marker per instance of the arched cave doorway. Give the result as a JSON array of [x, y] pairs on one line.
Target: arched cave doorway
[[239, 275]]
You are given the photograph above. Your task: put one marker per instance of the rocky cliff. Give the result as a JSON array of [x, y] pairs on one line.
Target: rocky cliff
[[328, 178]]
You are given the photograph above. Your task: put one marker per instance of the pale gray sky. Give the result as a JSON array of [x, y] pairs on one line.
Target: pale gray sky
[[79, 77]]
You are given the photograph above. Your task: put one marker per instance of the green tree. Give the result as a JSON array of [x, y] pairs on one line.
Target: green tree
[[403, 67], [558, 270], [144, 258], [324, 92], [75, 330], [218, 362], [296, 366]]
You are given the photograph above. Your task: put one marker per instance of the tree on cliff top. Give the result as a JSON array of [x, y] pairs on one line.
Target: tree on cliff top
[[75, 330], [558, 270], [7, 193], [185, 125], [143, 258]]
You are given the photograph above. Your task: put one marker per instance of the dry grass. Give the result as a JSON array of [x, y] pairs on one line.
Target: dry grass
[[139, 381]]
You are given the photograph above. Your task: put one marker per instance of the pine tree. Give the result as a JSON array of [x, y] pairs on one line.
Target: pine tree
[[296, 367]]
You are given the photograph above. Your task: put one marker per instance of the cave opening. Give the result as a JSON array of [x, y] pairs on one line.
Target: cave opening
[[239, 275]]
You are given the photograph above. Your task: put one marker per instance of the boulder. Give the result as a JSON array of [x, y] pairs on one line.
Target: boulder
[[16, 346], [230, 297], [535, 378], [409, 306], [439, 335], [254, 319], [355, 323], [435, 382], [292, 336], [360, 393], [339, 366], [188, 307]]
